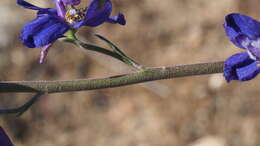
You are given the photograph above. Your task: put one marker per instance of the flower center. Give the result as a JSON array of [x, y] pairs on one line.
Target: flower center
[[74, 15], [256, 43], [252, 46]]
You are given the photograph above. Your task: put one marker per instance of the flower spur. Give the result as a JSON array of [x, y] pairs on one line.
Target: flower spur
[[244, 32], [51, 24]]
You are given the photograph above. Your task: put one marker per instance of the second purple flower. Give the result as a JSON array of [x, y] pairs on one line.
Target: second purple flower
[[244, 32]]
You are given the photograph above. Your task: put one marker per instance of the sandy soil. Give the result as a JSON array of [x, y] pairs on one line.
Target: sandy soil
[[191, 111]]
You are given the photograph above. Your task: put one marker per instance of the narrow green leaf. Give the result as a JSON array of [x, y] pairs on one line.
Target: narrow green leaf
[[114, 47], [20, 110]]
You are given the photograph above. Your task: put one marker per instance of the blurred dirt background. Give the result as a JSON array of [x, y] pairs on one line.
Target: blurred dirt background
[[191, 111]]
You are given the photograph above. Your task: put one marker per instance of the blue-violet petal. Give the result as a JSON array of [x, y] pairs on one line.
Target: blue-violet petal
[[247, 72], [233, 63], [97, 14], [42, 31], [27, 5], [71, 2], [120, 19], [239, 27]]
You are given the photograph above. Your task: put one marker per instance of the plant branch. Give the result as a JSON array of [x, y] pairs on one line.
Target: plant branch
[[20, 110], [145, 75]]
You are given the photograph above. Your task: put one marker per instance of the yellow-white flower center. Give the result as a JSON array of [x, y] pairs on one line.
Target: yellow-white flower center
[[74, 15]]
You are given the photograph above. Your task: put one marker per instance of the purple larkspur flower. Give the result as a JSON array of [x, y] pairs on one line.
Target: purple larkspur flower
[[244, 32], [4, 139], [51, 24]]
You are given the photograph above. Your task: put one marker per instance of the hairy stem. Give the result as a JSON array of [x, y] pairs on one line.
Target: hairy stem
[[145, 75]]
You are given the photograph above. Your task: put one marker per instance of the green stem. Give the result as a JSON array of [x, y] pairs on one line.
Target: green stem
[[148, 74]]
